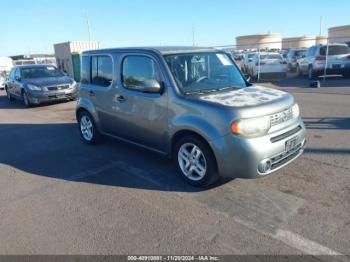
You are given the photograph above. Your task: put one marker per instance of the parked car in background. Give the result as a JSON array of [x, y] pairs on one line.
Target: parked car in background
[[292, 56], [247, 59], [192, 104], [35, 84], [6, 65], [313, 63], [268, 64], [2, 80]]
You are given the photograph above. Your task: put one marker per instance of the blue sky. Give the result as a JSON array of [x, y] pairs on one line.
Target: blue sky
[[34, 26]]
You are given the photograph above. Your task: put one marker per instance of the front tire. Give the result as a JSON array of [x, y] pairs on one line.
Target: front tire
[[25, 99], [87, 129], [195, 161]]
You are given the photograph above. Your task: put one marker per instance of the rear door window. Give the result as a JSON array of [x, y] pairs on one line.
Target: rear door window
[[101, 70]]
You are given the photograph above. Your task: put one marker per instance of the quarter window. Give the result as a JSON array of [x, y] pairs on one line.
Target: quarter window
[[85, 70], [137, 69], [101, 70]]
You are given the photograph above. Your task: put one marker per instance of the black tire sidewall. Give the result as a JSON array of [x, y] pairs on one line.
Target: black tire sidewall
[[310, 73], [24, 94], [211, 174], [8, 95]]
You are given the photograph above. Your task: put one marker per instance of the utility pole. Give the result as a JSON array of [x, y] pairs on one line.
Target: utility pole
[[193, 36], [88, 26]]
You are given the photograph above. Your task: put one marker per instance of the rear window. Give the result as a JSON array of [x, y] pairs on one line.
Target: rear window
[[299, 52], [270, 56], [334, 50]]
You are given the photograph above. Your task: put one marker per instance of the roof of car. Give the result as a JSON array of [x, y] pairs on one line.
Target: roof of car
[[31, 65], [164, 50]]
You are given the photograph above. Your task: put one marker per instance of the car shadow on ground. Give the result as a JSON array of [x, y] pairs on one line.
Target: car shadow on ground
[[57, 151], [341, 123]]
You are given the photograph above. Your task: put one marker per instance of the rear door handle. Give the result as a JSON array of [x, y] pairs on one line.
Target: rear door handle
[[121, 99], [91, 93]]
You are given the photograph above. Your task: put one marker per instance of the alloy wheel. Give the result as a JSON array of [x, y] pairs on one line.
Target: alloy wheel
[[192, 161], [86, 128]]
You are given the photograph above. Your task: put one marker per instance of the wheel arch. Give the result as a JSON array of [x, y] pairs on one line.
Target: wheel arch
[[187, 132]]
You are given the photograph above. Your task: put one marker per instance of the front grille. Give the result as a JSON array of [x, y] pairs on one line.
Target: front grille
[[281, 117], [285, 157], [285, 135], [58, 87]]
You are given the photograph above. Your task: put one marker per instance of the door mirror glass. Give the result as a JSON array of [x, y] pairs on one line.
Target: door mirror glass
[[149, 86]]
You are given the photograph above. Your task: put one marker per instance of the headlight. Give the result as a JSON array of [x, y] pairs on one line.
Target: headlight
[[296, 110], [73, 84], [34, 87], [251, 127]]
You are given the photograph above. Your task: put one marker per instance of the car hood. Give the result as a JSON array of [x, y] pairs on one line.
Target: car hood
[[251, 101], [50, 81]]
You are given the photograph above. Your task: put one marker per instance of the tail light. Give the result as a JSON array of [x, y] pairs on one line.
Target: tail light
[[320, 58]]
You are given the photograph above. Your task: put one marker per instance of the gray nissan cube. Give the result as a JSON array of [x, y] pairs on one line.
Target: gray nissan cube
[[191, 104]]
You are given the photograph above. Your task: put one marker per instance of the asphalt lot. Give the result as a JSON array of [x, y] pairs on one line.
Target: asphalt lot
[[60, 196]]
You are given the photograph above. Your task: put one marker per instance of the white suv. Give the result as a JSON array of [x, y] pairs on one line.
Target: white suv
[[313, 63]]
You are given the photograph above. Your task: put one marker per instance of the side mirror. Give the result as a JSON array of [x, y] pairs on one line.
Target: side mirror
[[150, 86], [18, 78]]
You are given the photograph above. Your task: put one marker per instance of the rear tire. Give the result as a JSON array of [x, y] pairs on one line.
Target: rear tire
[[195, 161], [8, 95], [299, 73], [311, 73], [87, 129]]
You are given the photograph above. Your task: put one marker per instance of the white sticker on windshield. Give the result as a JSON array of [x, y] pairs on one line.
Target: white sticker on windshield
[[51, 68], [224, 59]]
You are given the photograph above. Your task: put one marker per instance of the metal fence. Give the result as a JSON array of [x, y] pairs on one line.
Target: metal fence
[[282, 46]]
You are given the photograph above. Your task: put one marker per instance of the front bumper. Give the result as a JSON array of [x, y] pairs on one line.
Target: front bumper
[[46, 97], [240, 157]]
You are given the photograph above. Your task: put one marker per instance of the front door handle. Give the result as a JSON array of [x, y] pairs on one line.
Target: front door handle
[[91, 93], [121, 99]]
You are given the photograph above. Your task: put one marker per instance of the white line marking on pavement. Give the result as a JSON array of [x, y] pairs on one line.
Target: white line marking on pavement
[[305, 245]]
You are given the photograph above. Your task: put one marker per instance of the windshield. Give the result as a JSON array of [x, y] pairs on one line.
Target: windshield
[[204, 72], [41, 72]]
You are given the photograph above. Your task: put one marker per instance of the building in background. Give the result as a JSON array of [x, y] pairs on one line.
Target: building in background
[[263, 41], [339, 34], [321, 40], [34, 59], [68, 55], [301, 42]]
